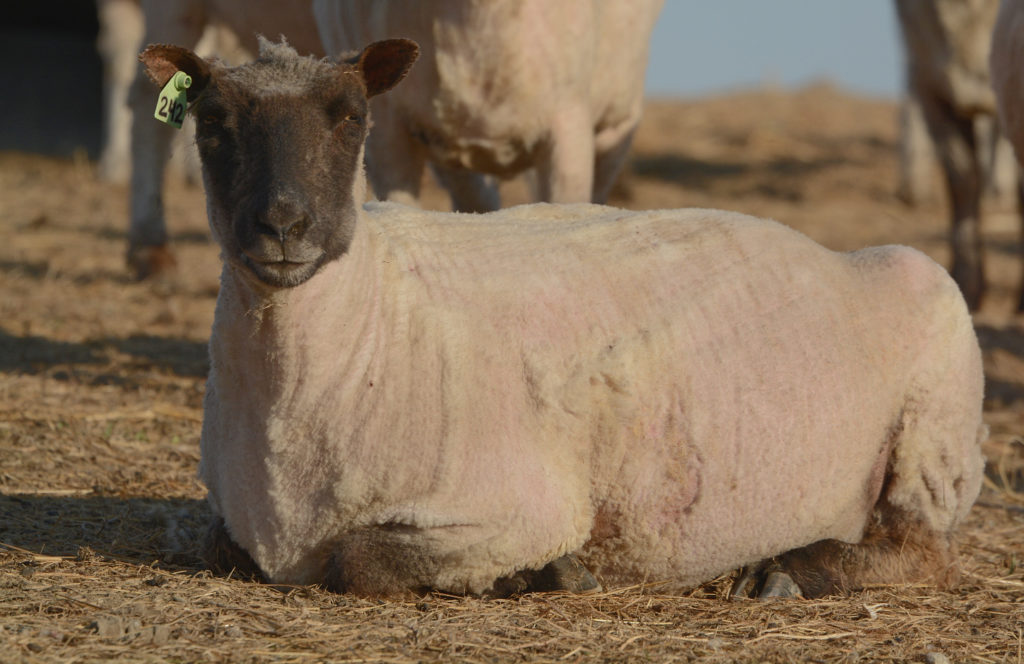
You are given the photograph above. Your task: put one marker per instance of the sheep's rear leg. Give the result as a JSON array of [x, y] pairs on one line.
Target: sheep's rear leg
[[895, 550]]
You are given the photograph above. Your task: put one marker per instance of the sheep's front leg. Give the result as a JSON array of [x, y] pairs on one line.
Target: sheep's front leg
[[565, 169], [148, 254], [121, 27], [1020, 220], [566, 574], [394, 158]]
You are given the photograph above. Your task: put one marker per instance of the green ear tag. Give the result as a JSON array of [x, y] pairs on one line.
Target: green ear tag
[[171, 105]]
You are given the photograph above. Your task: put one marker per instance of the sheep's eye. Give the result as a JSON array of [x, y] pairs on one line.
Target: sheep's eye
[[209, 120], [352, 118]]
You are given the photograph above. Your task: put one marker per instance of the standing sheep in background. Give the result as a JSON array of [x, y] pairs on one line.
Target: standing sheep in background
[[180, 22], [502, 86], [401, 399], [947, 44]]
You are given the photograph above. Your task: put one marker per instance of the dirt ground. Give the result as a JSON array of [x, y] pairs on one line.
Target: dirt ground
[[101, 384]]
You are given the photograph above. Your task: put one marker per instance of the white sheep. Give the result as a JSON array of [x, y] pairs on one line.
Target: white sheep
[[401, 399], [180, 22], [501, 87], [947, 44]]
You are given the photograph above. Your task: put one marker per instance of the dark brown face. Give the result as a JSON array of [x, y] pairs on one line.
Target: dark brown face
[[279, 167], [281, 141]]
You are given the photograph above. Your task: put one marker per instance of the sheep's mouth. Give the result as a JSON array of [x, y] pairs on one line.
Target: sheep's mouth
[[281, 273]]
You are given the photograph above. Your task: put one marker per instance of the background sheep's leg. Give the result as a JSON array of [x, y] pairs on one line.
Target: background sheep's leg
[[118, 43], [1020, 213], [166, 23], [469, 191], [955, 143], [565, 171], [394, 159], [607, 165], [916, 153]]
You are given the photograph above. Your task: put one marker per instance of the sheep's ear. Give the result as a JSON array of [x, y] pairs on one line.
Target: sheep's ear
[[383, 64], [163, 60]]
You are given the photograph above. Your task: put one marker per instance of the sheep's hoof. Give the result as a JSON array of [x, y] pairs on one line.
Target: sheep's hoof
[[151, 261], [765, 581], [779, 584], [565, 574]]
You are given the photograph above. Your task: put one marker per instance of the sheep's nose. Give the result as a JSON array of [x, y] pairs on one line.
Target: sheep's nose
[[283, 219]]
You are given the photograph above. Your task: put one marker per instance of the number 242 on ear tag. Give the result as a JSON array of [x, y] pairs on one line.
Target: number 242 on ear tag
[[171, 105]]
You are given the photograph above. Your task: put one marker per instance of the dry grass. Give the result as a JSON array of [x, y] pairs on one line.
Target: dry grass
[[134, 605], [101, 385]]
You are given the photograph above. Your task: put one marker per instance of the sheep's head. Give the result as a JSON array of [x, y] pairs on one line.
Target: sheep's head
[[281, 142]]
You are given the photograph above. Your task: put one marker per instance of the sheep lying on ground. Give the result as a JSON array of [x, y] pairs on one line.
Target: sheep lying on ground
[[183, 22], [502, 86], [947, 44], [401, 399]]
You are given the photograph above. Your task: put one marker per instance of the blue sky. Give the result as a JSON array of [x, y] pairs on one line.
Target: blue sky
[[706, 46]]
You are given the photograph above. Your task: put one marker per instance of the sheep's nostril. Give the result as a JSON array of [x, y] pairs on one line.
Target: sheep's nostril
[[282, 230], [268, 230], [297, 228]]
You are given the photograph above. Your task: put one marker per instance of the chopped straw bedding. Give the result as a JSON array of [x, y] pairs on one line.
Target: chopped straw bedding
[[101, 385]]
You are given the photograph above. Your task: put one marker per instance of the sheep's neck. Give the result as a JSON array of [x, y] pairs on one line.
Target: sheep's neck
[[322, 331]]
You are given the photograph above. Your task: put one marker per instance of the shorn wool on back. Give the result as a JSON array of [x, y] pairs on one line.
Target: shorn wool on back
[[402, 400]]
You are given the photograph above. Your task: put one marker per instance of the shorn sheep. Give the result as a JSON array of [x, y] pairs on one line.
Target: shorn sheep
[[947, 45], [502, 87], [401, 400]]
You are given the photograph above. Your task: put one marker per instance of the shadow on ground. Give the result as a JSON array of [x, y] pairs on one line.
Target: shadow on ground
[[777, 178], [34, 354], [135, 530]]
